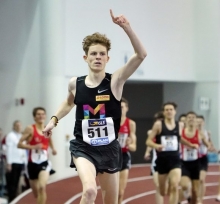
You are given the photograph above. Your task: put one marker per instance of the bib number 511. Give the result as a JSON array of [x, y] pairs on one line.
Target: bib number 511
[[92, 132]]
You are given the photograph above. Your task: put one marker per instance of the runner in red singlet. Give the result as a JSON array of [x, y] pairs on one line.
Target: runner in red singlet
[[190, 160], [37, 144], [127, 140]]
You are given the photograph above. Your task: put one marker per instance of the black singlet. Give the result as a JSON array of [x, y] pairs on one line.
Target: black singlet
[[95, 108], [169, 139]]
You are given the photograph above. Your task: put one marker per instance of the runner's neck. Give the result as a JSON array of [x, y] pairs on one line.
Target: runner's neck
[[93, 79]]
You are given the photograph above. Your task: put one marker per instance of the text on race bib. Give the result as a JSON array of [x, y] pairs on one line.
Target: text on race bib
[[98, 132], [39, 155], [190, 154], [170, 143]]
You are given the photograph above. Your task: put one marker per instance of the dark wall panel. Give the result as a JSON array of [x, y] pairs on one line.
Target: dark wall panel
[[144, 100]]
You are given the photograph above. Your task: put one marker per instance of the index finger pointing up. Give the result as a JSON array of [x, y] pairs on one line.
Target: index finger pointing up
[[111, 13]]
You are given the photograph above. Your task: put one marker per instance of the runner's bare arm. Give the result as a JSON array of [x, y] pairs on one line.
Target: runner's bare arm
[[154, 132], [27, 134], [54, 152], [122, 74], [132, 145], [67, 104], [213, 149], [206, 143], [188, 144], [148, 148], [64, 108]]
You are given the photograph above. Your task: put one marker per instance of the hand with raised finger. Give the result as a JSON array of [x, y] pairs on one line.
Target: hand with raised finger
[[119, 20]]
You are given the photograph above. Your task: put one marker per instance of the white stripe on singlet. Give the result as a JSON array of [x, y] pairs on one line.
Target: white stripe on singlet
[[153, 162]]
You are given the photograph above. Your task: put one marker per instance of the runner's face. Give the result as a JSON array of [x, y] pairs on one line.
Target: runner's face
[[169, 112], [40, 116], [200, 122], [191, 119], [124, 109], [183, 119], [97, 57]]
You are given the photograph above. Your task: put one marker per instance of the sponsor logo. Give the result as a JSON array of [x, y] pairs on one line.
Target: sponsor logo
[[112, 169], [100, 91], [102, 98], [99, 141], [88, 109], [98, 122]]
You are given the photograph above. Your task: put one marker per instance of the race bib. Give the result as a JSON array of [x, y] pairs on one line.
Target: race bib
[[122, 139], [170, 143], [190, 154], [98, 132], [39, 155]]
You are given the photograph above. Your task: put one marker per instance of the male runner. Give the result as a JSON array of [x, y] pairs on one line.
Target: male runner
[[167, 134], [182, 118], [37, 144], [190, 159], [203, 151], [159, 199], [127, 140], [96, 150]]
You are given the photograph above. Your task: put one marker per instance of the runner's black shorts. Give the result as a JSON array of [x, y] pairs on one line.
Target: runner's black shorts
[[191, 169], [106, 158], [34, 169], [204, 163], [165, 164], [126, 161]]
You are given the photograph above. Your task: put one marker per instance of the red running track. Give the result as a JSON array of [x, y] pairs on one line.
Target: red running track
[[140, 189]]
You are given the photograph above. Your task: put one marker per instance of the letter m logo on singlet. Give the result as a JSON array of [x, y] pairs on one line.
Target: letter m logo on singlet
[[88, 109]]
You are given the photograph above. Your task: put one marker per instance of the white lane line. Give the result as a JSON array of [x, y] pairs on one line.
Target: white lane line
[[133, 166], [19, 197], [140, 165], [214, 173], [138, 196], [129, 180], [78, 195], [152, 192], [205, 198]]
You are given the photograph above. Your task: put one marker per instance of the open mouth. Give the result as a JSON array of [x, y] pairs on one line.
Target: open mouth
[[98, 63]]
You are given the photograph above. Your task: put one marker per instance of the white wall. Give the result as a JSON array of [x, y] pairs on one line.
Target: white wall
[[19, 61], [164, 27], [206, 41]]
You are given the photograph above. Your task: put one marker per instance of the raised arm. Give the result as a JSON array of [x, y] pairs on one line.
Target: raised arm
[[122, 74], [64, 108], [132, 145]]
